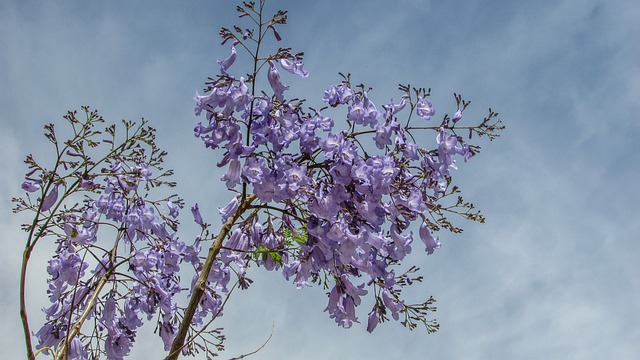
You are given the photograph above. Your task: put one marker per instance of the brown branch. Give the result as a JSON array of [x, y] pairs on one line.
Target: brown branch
[[23, 306], [75, 329], [90, 306], [201, 283]]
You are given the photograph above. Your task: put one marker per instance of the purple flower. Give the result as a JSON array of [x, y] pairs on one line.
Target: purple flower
[[392, 304], [294, 67], [87, 184], [428, 240], [354, 291], [447, 147], [363, 112], [148, 216], [276, 84], [384, 132], [410, 151], [324, 122], [171, 257], [296, 177], [30, 186], [174, 210], [204, 102], [378, 242], [195, 210], [341, 173], [130, 320], [116, 207], [239, 95], [424, 109], [67, 268], [254, 169], [168, 332], [356, 112], [109, 312], [226, 63], [332, 144], [269, 189], [393, 109], [342, 308], [50, 199], [77, 350], [192, 252], [336, 95], [232, 176], [237, 241], [144, 261], [117, 344], [402, 244], [160, 229], [228, 211], [457, 116], [371, 112], [48, 336], [372, 321]]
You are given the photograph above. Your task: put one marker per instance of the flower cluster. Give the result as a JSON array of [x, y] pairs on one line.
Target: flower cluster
[[153, 259], [123, 232], [333, 202], [330, 196]]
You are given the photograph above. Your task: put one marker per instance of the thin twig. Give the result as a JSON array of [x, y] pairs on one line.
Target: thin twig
[[259, 348]]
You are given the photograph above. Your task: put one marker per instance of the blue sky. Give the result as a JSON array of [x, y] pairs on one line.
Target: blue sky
[[553, 273]]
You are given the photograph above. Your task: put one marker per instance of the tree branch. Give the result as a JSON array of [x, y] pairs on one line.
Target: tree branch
[[201, 283]]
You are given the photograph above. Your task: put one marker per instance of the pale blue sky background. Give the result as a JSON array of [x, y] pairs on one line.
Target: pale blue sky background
[[554, 273]]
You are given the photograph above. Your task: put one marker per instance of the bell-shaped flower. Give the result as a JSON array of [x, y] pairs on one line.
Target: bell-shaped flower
[[50, 199], [276, 84], [332, 144], [228, 211], [232, 176], [371, 112], [336, 95], [383, 134], [392, 109], [254, 169], [117, 345], [226, 63], [457, 116], [48, 336], [174, 210], [130, 320], [197, 217], [401, 244], [192, 252], [109, 312], [372, 321], [296, 177], [295, 67], [167, 332], [77, 350], [378, 242], [394, 306], [424, 109], [30, 186], [429, 241], [270, 189], [354, 291], [356, 112]]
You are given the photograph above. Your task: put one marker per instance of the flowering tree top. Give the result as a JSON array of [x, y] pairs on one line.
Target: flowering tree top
[[331, 197]]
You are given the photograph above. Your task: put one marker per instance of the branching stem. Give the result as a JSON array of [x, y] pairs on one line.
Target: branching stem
[[201, 284]]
